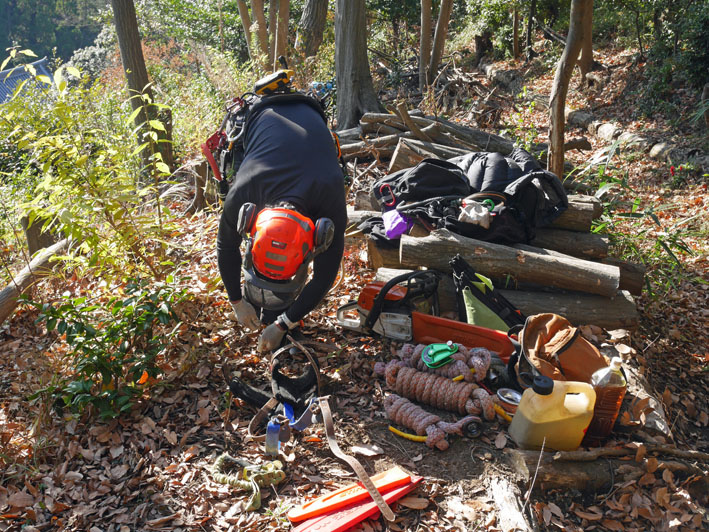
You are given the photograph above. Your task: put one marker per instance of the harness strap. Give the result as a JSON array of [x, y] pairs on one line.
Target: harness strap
[[259, 418], [352, 461]]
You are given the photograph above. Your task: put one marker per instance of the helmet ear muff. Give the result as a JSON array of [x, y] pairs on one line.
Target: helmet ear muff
[[324, 235], [247, 218]]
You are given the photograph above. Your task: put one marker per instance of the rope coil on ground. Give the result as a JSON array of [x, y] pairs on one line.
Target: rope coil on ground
[[462, 362], [437, 391], [403, 412]]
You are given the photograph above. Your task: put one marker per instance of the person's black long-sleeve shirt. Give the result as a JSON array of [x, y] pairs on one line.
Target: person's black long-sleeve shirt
[[289, 156]]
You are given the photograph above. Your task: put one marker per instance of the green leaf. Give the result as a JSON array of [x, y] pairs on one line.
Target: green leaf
[[156, 124], [5, 62], [134, 115], [162, 167], [28, 53], [59, 76], [44, 79], [73, 71]]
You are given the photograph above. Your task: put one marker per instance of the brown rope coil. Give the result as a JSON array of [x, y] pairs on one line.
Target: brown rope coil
[[437, 391], [462, 361], [405, 413]]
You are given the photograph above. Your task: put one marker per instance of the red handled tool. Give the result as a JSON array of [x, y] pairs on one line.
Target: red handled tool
[[348, 495], [348, 516]]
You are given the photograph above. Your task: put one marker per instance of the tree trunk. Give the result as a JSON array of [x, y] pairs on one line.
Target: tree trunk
[[439, 39], [586, 59], [494, 260], [705, 101], [515, 33], [137, 78], [530, 28], [425, 45], [557, 99], [246, 24], [311, 27], [261, 29], [355, 90], [272, 30], [281, 33], [36, 238], [22, 281]]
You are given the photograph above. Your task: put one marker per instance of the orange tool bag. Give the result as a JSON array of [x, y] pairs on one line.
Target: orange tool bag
[[549, 345]]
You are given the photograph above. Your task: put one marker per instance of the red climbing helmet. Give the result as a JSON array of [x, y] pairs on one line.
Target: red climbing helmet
[[282, 244]]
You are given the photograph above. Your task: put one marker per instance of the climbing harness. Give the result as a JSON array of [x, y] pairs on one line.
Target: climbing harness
[[284, 418]]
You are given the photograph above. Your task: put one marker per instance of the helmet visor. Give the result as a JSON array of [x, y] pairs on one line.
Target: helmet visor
[[271, 294]]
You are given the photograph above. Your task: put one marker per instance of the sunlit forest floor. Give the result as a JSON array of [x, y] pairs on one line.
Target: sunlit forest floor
[[150, 469]]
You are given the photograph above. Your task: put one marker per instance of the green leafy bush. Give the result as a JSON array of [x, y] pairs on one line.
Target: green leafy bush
[[90, 184], [114, 348]]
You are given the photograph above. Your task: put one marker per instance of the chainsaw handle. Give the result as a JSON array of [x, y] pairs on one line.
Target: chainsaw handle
[[349, 323], [378, 303]]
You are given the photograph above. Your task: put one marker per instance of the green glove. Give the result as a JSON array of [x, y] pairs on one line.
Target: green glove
[[271, 338]]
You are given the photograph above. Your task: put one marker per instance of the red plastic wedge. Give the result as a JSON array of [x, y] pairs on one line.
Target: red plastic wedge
[[384, 481], [345, 518]]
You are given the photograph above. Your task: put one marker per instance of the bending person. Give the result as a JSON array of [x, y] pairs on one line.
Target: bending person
[[288, 200]]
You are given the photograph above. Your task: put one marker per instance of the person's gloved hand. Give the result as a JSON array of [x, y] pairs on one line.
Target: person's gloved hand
[[271, 338], [245, 314]]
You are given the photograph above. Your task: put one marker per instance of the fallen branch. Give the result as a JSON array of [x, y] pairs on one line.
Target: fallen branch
[[589, 476], [36, 269], [594, 454]]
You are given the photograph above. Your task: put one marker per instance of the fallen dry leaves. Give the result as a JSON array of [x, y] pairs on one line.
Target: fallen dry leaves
[[150, 470]]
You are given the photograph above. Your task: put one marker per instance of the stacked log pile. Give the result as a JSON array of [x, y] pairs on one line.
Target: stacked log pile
[[565, 269]]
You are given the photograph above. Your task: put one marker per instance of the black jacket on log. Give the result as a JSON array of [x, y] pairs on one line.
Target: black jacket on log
[[527, 196]]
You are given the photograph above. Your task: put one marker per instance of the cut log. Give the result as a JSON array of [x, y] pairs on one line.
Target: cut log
[[350, 135], [475, 138], [632, 274], [21, 282], [580, 214], [383, 146], [378, 130], [590, 476], [618, 312], [579, 309], [409, 152], [570, 273], [583, 245]]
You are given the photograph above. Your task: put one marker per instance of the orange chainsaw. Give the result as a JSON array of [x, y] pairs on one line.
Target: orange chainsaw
[[385, 308], [406, 313]]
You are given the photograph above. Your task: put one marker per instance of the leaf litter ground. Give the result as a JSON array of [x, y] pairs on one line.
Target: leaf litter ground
[[150, 470]]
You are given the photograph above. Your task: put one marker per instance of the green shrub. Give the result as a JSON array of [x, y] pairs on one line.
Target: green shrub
[[113, 348]]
